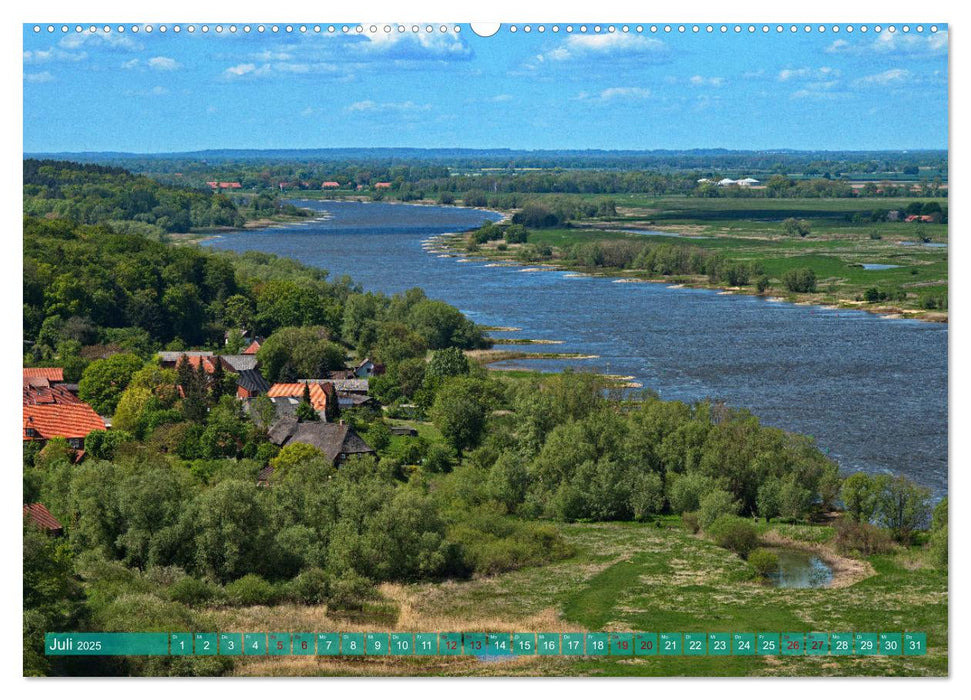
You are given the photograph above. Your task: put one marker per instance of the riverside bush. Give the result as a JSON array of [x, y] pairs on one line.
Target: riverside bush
[[734, 534], [764, 561], [193, 591], [861, 539], [252, 589]]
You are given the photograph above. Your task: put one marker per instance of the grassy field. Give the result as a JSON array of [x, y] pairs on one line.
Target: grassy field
[[638, 577], [751, 230]]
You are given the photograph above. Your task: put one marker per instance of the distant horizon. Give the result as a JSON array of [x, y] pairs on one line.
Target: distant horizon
[[482, 149]]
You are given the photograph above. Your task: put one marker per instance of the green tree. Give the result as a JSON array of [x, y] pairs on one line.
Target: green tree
[[52, 598], [299, 353], [714, 505], [800, 279], [229, 522], [293, 455], [797, 227], [859, 495], [447, 362], [103, 381], [903, 507], [305, 409], [459, 412]]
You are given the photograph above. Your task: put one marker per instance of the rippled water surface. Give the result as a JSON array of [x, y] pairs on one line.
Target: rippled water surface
[[873, 391]]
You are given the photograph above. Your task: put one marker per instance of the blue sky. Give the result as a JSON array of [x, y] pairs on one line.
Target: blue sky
[[155, 92]]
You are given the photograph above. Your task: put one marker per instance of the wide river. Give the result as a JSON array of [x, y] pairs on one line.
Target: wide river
[[871, 390]]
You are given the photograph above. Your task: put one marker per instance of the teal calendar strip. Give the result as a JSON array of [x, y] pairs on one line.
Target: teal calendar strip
[[489, 644]]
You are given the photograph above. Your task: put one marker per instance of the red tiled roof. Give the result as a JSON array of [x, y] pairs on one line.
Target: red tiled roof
[[39, 391], [230, 185], [330, 183], [194, 361], [66, 420], [51, 374], [213, 184], [253, 348], [382, 185], [41, 517], [318, 392]]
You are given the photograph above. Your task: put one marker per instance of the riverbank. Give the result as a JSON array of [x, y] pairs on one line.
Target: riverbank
[[501, 253]]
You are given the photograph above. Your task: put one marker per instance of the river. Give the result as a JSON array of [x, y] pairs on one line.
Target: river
[[871, 390]]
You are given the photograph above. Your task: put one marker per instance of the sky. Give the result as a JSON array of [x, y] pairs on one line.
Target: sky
[[154, 92]]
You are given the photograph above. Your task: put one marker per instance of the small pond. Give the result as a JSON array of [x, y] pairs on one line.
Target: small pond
[[926, 245], [800, 569], [877, 266]]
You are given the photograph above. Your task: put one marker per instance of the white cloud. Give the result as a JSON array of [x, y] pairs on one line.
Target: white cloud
[[370, 106], [821, 73], [824, 89], [211, 109], [613, 94], [414, 46], [157, 91], [163, 63], [53, 54], [42, 77], [614, 44], [264, 56], [894, 76], [912, 45], [246, 69], [501, 98], [38, 56], [112, 39], [700, 81]]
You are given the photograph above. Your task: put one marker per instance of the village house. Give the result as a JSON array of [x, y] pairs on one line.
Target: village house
[[337, 441], [367, 368], [253, 348], [250, 381], [41, 518], [351, 392], [52, 410], [251, 384], [330, 185], [243, 334], [170, 358], [71, 421], [323, 397], [45, 385]]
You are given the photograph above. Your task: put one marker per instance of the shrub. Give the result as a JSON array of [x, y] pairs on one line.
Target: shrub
[[143, 612], [350, 591], [311, 587], [715, 504], [193, 591], [801, 279], [690, 521], [764, 562], [938, 548], [685, 492], [861, 539], [252, 589], [735, 534]]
